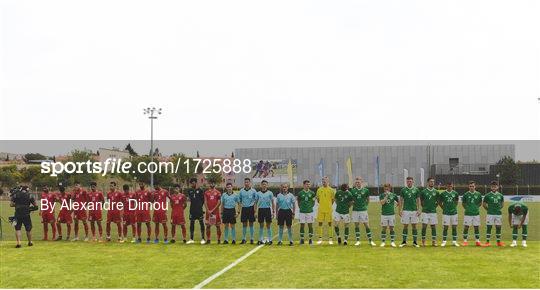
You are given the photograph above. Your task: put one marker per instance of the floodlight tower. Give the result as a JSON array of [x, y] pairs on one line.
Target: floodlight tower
[[152, 115]]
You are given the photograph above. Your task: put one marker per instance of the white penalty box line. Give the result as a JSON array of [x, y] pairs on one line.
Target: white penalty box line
[[230, 266]]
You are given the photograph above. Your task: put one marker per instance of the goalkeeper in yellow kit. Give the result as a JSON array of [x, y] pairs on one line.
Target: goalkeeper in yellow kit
[[325, 198]]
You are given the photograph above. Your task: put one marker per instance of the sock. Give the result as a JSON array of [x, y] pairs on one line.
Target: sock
[[100, 229], [433, 232], [53, 226], [444, 233], [93, 229], [405, 234], [414, 234], [524, 232], [108, 229], [173, 232], [260, 233], [302, 231], [383, 236], [201, 225], [218, 232], [233, 233], [280, 233], [465, 233], [156, 231], [368, 233], [191, 228], [347, 233], [320, 230], [330, 232], [289, 234], [357, 233], [183, 231], [454, 233], [59, 229], [148, 230], [514, 233], [244, 231], [498, 233], [139, 229], [68, 230], [336, 229], [269, 230], [251, 232], [310, 230], [477, 233], [488, 233], [226, 238], [424, 229], [392, 235], [76, 229], [45, 231]]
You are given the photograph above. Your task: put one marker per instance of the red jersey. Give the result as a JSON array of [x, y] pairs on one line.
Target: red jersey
[[178, 202], [115, 198], [127, 197], [143, 196], [64, 199], [212, 197], [50, 197], [95, 198], [79, 196], [160, 196]]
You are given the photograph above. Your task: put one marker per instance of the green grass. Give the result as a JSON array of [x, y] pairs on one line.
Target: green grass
[[113, 265]]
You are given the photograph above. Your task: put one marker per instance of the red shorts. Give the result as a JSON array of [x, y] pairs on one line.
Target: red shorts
[[178, 219], [130, 218], [94, 215], [218, 218], [80, 215], [114, 216], [160, 216], [65, 217], [143, 216], [47, 217]]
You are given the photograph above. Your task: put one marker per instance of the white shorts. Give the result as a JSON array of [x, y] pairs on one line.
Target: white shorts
[[429, 218], [360, 217], [306, 218], [493, 220], [450, 220], [346, 218], [516, 219], [471, 220], [409, 217], [388, 220]]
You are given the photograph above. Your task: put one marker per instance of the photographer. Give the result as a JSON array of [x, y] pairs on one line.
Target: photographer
[[24, 203]]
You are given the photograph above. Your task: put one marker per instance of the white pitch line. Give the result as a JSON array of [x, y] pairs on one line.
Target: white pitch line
[[217, 274]]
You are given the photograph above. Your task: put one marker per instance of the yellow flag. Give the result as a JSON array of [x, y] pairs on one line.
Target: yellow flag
[[289, 172], [349, 171]]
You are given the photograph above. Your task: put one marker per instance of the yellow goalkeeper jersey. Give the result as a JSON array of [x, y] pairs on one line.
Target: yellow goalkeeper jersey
[[325, 196]]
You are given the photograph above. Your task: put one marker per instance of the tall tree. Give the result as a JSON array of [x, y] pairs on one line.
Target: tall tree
[[509, 171]]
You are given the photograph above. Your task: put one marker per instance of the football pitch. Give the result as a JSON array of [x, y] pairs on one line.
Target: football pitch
[[114, 265]]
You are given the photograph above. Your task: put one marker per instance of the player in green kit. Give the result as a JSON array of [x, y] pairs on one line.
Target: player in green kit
[[471, 202], [448, 201], [493, 203], [409, 210], [343, 205], [429, 200], [360, 197], [388, 201], [306, 201], [518, 217]]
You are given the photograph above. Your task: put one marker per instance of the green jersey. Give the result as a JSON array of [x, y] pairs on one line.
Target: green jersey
[[471, 203], [494, 201], [513, 206], [428, 199], [343, 201], [387, 208], [360, 197], [449, 201], [306, 201], [410, 195]]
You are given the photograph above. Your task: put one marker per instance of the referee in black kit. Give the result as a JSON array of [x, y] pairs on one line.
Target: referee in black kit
[[24, 203]]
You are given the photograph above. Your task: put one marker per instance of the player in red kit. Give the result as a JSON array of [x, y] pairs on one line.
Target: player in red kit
[[160, 212], [64, 216], [47, 212], [212, 201], [80, 197], [178, 204], [96, 199], [144, 198], [130, 216], [114, 214]]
